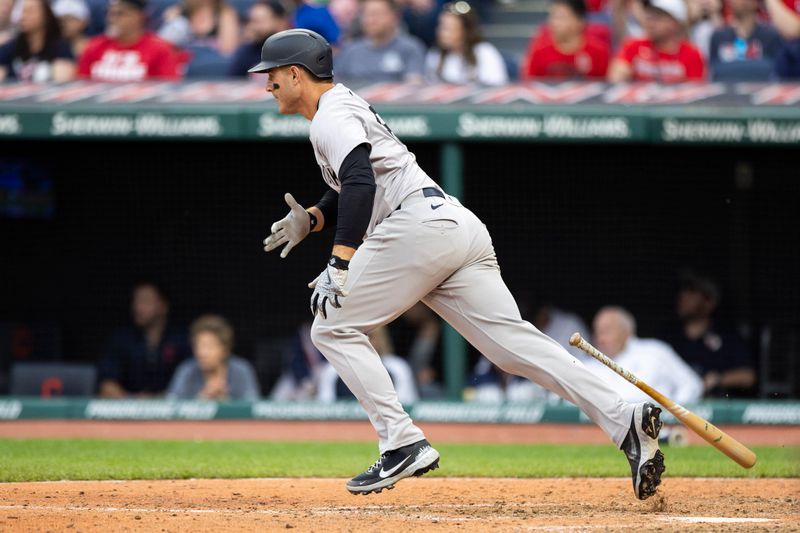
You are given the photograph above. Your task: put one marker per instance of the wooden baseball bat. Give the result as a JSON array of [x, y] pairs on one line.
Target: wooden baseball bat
[[711, 433]]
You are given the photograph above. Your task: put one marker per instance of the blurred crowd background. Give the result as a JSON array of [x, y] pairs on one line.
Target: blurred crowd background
[[489, 42], [692, 242]]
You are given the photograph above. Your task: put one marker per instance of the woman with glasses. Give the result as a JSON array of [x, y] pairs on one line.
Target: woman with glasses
[[461, 55]]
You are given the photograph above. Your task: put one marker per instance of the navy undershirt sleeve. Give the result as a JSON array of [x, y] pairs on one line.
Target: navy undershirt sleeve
[[329, 205], [355, 197]]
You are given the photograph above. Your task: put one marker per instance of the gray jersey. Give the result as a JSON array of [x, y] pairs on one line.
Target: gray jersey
[[344, 121]]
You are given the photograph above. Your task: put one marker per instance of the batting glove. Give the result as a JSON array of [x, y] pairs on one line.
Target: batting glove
[[291, 229], [329, 286]]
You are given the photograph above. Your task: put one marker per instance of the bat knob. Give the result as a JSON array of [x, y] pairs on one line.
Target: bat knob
[[575, 339]]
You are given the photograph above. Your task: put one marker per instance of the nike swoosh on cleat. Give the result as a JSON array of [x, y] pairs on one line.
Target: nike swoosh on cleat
[[436, 206], [383, 474]]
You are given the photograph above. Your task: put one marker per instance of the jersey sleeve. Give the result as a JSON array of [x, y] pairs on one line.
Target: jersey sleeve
[[491, 66], [165, 64], [600, 56], [432, 64], [63, 50], [7, 54], [415, 58], [688, 386], [88, 57], [628, 51], [694, 64], [337, 134]]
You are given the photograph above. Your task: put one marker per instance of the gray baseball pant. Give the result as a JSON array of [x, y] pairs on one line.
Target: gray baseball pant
[[445, 258]]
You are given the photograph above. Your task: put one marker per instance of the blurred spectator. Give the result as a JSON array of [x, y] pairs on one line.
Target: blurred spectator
[[486, 383], [627, 20], [141, 359], [264, 18], [331, 388], [211, 24], [785, 15], [128, 52], [345, 13], [664, 55], [426, 339], [563, 48], [214, 373], [717, 353], [421, 18], [462, 55], [38, 53], [384, 53], [704, 18], [744, 39], [310, 16], [650, 360], [73, 15], [557, 324], [299, 379], [490, 384], [7, 29]]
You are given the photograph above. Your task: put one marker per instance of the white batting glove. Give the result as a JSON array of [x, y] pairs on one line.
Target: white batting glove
[[329, 286], [291, 229]]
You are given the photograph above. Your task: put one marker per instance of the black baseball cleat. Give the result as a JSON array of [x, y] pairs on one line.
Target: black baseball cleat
[[412, 460], [641, 449]]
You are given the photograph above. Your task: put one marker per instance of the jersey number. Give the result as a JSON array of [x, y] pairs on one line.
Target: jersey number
[[383, 123]]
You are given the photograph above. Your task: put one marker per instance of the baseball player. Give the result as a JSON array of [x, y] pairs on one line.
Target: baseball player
[[400, 239]]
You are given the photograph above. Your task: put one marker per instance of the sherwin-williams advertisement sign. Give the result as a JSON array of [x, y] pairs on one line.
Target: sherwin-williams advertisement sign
[[745, 113]]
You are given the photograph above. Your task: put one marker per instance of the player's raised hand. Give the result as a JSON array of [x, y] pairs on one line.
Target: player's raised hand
[[291, 229]]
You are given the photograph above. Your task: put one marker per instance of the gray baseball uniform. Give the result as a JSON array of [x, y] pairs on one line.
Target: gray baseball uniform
[[421, 246]]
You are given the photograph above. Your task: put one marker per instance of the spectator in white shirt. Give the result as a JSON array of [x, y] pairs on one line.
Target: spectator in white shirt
[[462, 56], [650, 360]]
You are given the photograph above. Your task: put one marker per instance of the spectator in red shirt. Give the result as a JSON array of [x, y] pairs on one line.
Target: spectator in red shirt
[[563, 48], [664, 55], [128, 52]]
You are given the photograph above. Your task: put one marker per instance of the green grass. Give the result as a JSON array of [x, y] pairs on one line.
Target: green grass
[[39, 460]]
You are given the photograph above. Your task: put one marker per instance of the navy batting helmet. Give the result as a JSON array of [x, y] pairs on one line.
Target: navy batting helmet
[[297, 47]]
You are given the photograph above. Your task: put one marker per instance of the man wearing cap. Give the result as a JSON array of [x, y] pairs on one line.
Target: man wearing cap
[[664, 55], [715, 352], [385, 53], [128, 52], [264, 18], [73, 15]]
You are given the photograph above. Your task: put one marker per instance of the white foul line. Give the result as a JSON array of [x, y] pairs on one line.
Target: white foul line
[[713, 519]]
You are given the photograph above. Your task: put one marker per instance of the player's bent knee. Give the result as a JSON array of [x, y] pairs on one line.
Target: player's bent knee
[[321, 334]]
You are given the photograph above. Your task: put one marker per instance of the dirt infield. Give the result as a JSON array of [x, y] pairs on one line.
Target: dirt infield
[[415, 505], [355, 431]]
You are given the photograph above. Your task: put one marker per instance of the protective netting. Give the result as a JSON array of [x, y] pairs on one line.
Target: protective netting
[[580, 225]]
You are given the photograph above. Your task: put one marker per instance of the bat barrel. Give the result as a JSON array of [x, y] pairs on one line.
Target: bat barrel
[[708, 431]]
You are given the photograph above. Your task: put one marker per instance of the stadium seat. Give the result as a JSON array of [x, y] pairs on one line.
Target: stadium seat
[[753, 70], [52, 379]]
